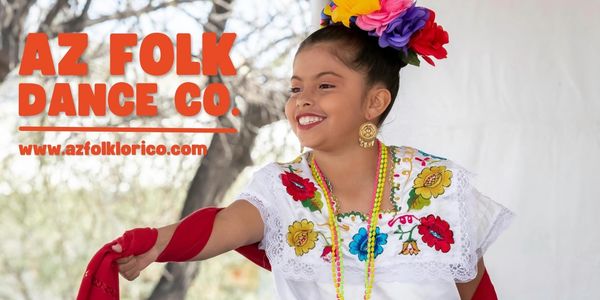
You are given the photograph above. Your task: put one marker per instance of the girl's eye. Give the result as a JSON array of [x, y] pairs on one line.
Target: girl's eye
[[294, 90]]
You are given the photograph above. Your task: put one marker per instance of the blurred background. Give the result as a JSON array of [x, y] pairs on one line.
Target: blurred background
[[516, 101]]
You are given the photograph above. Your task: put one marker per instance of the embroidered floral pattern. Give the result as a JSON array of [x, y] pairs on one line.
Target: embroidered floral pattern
[[302, 189], [431, 182], [353, 215], [410, 248], [436, 233], [427, 159], [433, 156], [299, 188], [301, 236], [326, 254], [395, 192], [359, 243]]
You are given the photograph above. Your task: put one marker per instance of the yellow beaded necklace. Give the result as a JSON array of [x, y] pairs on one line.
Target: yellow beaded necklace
[[337, 266]]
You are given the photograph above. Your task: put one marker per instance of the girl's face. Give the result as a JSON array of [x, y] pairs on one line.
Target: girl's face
[[325, 108]]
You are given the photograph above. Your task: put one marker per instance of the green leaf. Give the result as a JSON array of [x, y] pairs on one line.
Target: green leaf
[[420, 202], [413, 59], [314, 203], [411, 198], [402, 57], [416, 202]]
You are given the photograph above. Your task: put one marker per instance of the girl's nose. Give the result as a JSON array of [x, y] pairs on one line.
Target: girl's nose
[[302, 103], [304, 99]]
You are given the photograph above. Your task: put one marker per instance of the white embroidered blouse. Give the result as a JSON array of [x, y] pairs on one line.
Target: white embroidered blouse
[[440, 227]]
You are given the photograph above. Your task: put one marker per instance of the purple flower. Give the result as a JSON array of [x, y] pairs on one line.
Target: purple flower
[[398, 32]]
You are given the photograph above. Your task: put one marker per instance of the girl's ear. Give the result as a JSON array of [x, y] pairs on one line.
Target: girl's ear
[[378, 100]]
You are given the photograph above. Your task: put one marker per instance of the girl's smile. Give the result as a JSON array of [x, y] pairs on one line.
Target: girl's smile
[[308, 120]]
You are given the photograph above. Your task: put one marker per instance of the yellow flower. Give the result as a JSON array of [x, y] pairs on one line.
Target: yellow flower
[[327, 10], [432, 181], [348, 8], [412, 250], [301, 236]]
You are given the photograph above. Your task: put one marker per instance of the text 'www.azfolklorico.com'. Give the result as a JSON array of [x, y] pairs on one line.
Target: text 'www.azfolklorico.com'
[[112, 148]]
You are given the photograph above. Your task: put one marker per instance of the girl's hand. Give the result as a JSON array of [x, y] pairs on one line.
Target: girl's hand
[[237, 225], [131, 266]]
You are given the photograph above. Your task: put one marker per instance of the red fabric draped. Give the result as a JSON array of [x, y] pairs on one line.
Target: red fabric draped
[[101, 278], [485, 289]]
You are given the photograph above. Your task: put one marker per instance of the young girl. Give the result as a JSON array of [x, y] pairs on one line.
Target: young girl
[[353, 217]]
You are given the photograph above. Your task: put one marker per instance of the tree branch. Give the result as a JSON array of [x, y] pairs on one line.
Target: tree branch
[[51, 15], [120, 15]]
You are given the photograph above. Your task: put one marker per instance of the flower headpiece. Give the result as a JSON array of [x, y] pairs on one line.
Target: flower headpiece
[[397, 23]]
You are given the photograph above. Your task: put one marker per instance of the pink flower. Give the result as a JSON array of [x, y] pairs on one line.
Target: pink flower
[[379, 19], [326, 255]]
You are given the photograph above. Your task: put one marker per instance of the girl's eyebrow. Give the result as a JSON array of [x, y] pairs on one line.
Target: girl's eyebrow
[[319, 75]]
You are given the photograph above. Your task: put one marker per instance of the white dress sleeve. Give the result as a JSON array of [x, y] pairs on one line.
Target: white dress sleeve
[[486, 217], [258, 191]]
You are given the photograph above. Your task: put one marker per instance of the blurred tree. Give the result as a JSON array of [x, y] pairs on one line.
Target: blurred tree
[[227, 157], [229, 154]]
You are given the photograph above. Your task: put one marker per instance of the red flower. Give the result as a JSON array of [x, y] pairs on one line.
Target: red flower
[[299, 188], [326, 255], [430, 40], [436, 232]]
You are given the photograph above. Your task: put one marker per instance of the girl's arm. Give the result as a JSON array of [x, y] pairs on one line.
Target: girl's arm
[[467, 290], [237, 225]]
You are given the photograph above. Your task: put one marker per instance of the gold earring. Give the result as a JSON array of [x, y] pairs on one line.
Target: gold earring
[[367, 134]]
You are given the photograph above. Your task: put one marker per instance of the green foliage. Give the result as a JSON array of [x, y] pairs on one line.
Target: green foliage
[[51, 231]]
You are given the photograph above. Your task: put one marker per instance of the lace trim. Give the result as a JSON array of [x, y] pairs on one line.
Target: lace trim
[[274, 240], [258, 194], [265, 214], [501, 223], [273, 243]]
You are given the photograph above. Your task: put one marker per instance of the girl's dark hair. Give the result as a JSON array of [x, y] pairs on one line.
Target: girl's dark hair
[[361, 52]]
